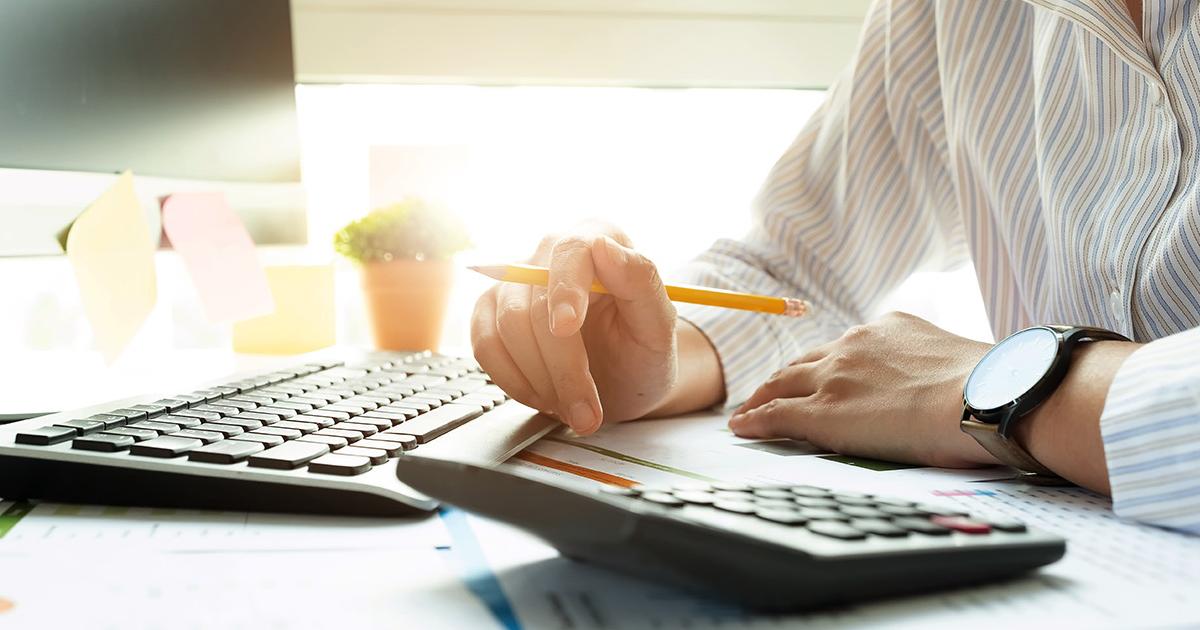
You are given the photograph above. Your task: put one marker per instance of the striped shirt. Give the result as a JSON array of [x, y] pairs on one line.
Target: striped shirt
[[1051, 143]]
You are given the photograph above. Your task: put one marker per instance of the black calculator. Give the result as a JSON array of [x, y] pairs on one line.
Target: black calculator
[[764, 546]]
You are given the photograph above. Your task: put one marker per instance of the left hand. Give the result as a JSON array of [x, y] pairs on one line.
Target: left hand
[[891, 390]]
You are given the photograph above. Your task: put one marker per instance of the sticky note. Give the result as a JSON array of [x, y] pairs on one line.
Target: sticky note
[[303, 320], [219, 256], [111, 251]]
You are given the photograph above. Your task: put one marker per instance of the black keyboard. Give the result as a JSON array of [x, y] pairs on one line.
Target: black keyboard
[[769, 546], [307, 438]]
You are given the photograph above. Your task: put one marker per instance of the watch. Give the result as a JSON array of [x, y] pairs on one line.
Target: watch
[[1011, 380]]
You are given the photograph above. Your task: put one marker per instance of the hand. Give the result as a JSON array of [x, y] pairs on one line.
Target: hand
[[891, 389], [580, 356]]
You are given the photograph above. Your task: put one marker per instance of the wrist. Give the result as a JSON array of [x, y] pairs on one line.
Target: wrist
[[699, 382]]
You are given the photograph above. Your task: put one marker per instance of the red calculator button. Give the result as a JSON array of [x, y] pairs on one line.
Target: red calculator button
[[964, 525]]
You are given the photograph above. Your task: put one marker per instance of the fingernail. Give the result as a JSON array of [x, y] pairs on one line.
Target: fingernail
[[737, 417], [582, 418], [563, 314]]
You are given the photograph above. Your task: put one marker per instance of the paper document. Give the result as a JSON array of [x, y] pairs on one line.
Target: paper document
[[111, 250], [1115, 574], [219, 256]]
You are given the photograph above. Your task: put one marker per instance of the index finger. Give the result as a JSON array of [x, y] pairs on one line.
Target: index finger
[[571, 276]]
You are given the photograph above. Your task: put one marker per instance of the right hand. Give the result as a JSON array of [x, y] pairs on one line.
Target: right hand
[[582, 357]]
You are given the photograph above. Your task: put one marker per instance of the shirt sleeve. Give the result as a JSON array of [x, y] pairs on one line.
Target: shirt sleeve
[[860, 201], [1151, 430]]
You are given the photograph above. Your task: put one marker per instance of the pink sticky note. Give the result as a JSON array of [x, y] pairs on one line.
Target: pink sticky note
[[219, 256]]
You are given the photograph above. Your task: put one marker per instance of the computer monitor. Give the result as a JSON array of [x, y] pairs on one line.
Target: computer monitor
[[188, 94]]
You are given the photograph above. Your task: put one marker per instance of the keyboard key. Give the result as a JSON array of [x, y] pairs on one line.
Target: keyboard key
[[428, 426], [407, 405], [283, 412], [130, 415], [160, 427], [783, 516], [376, 456], [189, 399], [223, 429], [225, 452], [320, 421], [151, 410], [394, 418], [226, 390], [391, 449], [208, 437], [265, 440], [103, 442], [289, 455], [878, 527], [257, 414], [962, 524], [380, 424], [338, 464], [407, 442], [165, 446], [834, 529], [374, 400], [203, 416], [255, 399], [109, 420], [353, 410], [172, 404], [241, 405], [432, 399], [350, 436], [45, 436], [922, 526], [298, 405], [365, 429], [336, 415], [140, 435], [82, 427], [287, 434], [303, 427], [483, 401], [333, 442], [186, 422], [223, 410], [247, 424]]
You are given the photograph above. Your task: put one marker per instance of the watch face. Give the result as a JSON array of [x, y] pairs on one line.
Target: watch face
[[1011, 368]]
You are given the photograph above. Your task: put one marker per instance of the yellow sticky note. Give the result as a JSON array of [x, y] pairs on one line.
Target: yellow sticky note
[[111, 251], [303, 320]]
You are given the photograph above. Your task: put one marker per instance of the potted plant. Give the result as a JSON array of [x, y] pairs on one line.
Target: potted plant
[[405, 253]]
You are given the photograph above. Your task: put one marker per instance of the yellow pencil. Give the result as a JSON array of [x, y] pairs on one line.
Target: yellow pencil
[[787, 306]]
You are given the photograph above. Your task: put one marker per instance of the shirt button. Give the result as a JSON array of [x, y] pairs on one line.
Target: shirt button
[[1117, 306]]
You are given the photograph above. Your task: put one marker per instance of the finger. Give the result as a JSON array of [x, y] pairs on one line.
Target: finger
[[493, 357], [570, 281], [567, 361], [814, 355], [794, 381], [781, 417], [639, 293], [515, 327]]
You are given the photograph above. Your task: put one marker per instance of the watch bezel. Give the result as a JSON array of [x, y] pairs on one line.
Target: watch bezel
[[1004, 416]]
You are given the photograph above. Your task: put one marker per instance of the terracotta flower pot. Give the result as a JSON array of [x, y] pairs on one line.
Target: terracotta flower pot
[[406, 302]]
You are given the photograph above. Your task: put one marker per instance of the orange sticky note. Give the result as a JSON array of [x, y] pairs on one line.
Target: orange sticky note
[[111, 251], [219, 256], [304, 319]]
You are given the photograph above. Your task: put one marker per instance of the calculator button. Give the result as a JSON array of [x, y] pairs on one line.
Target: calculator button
[[772, 493], [921, 526], [964, 525], [858, 511], [45, 436], [853, 500], [1005, 525], [662, 498], [733, 495], [878, 527], [881, 501], [938, 510], [227, 452], [739, 507], [697, 497], [619, 491], [810, 491], [834, 529], [784, 516], [814, 502], [781, 504], [899, 510], [823, 514], [731, 486]]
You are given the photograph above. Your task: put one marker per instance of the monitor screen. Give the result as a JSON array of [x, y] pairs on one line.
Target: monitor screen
[[189, 89]]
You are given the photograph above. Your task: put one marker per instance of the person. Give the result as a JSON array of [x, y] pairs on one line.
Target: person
[[1053, 143]]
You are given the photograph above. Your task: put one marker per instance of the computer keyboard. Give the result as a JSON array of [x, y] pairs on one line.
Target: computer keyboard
[[769, 546], [312, 437]]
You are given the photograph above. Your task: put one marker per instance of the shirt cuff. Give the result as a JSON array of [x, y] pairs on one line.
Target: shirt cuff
[[1151, 431]]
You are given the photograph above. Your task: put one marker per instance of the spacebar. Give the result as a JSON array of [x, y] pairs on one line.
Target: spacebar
[[433, 423]]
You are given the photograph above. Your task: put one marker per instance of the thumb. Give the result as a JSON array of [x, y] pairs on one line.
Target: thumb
[[638, 292]]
